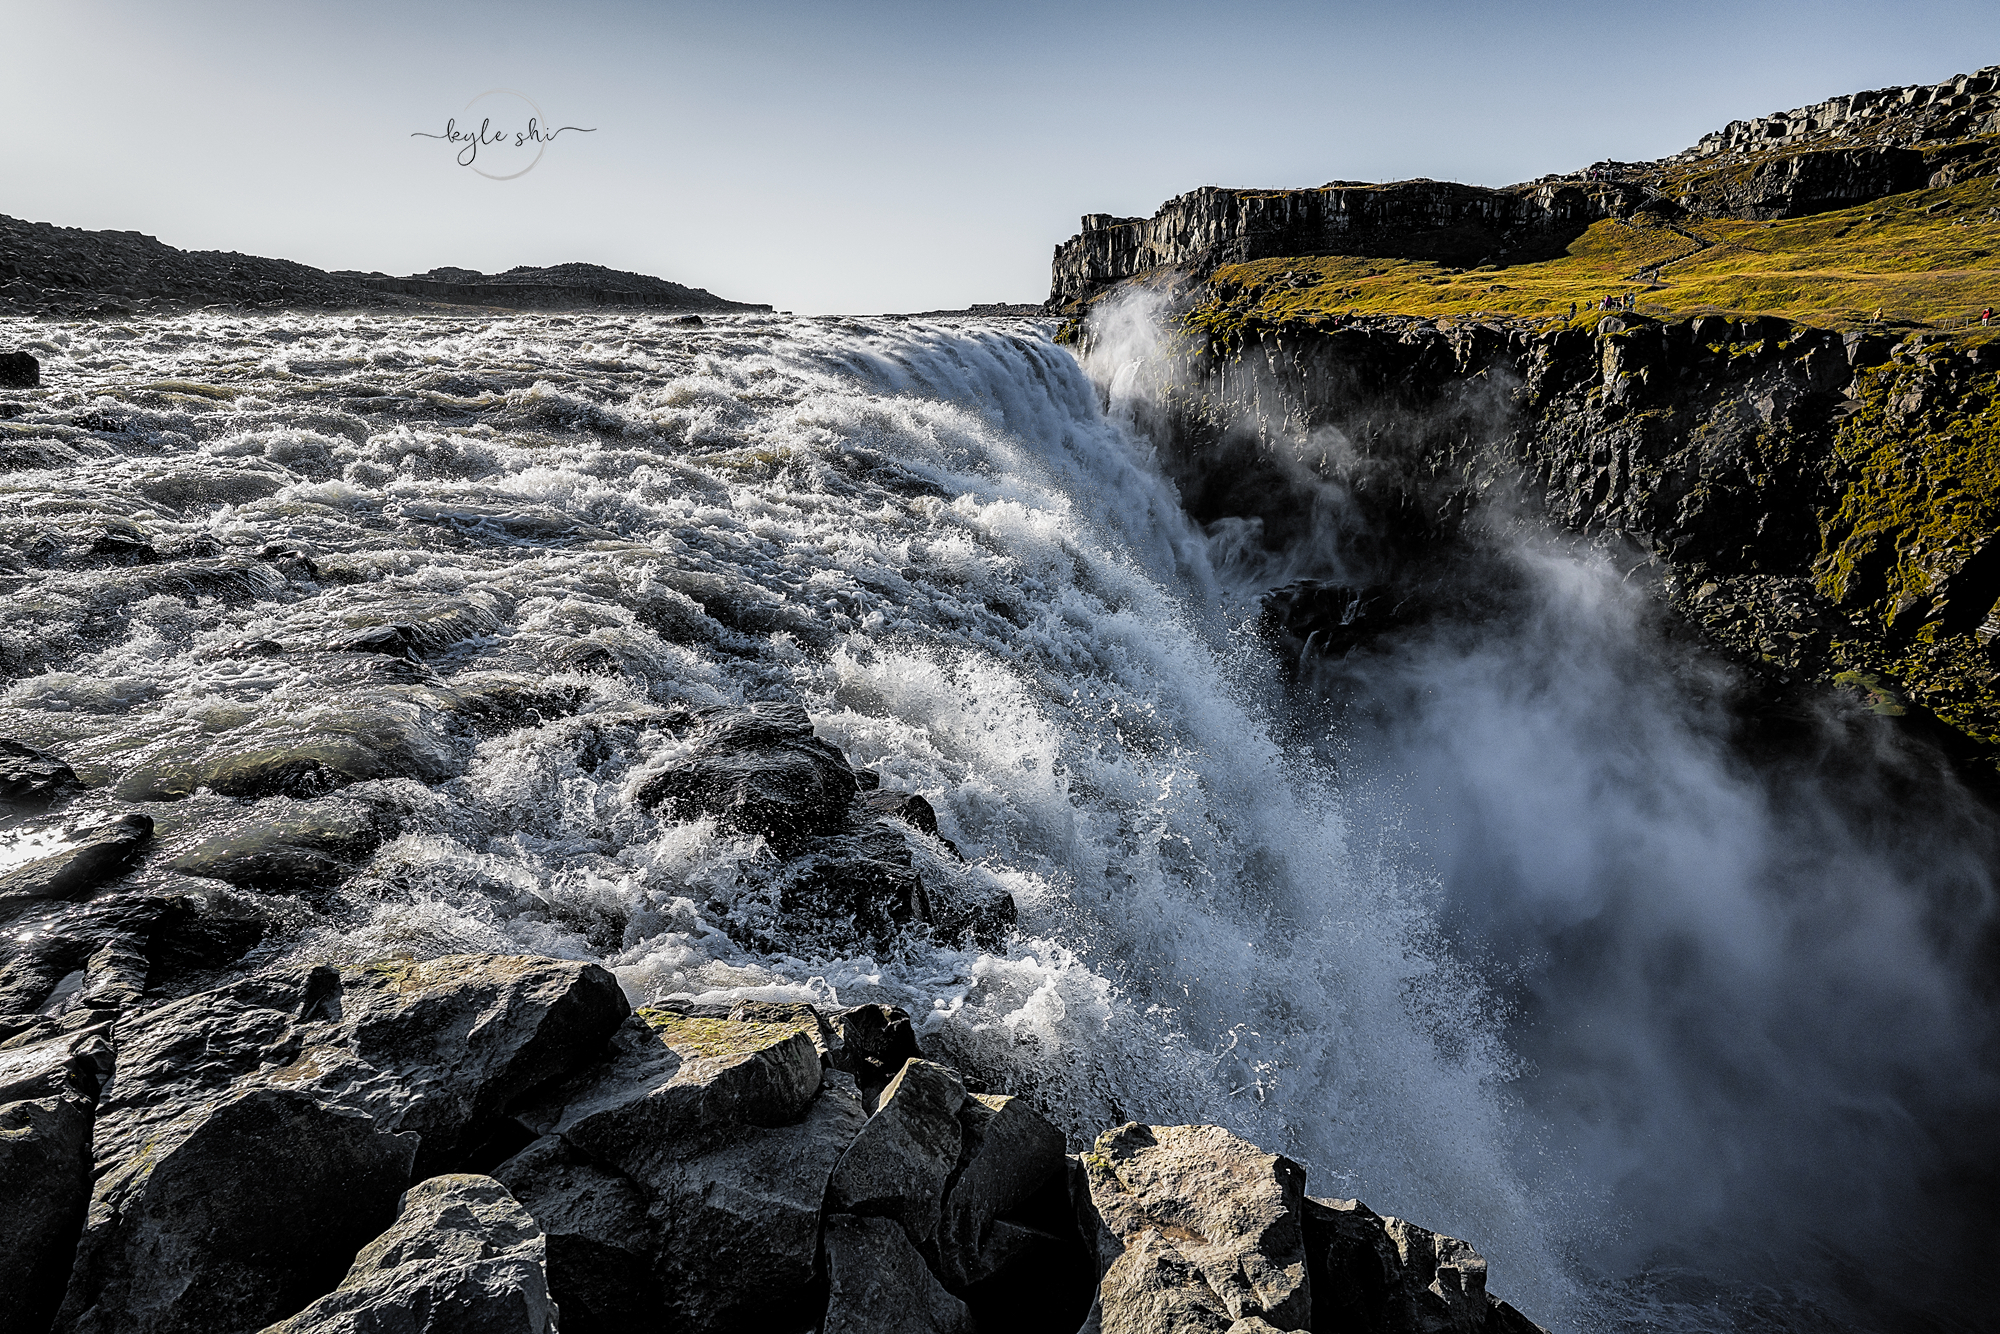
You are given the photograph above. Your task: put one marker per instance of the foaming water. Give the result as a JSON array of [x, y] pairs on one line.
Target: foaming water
[[978, 585]]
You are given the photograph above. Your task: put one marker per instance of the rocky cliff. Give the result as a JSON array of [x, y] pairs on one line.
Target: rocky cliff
[[1819, 506], [1839, 153]]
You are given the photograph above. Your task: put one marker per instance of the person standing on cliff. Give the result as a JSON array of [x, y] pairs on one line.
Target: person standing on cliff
[[1986, 317], [1572, 310]]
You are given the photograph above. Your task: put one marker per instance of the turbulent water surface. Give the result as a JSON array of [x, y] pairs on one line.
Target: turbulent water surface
[[934, 538]]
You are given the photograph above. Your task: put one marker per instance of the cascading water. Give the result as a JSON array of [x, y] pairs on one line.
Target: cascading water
[[935, 539]]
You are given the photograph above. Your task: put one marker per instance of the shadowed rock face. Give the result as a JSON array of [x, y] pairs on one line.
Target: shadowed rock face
[[462, 1257]]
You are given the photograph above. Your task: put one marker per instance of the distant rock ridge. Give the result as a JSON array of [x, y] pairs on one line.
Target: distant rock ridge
[[72, 271], [561, 286], [1832, 155]]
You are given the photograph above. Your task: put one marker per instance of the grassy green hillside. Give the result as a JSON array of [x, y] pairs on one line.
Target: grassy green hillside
[[1926, 258]]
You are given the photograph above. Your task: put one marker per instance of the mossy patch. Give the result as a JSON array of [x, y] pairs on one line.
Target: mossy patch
[[694, 1037]]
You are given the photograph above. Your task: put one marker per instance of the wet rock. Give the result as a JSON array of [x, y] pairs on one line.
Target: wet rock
[[863, 881], [872, 1043], [600, 1244], [1378, 1275], [461, 1258], [898, 1165], [93, 855], [288, 843], [45, 1181], [878, 1284], [20, 370], [395, 641], [1009, 1154], [123, 549], [74, 1067], [497, 700], [348, 745], [908, 807], [29, 777], [1214, 1207], [760, 770], [114, 977], [238, 1213], [440, 1047]]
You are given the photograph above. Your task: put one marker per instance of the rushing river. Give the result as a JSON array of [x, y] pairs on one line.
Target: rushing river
[[936, 539]]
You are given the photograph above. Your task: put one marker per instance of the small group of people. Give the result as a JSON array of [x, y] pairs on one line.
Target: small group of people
[[1612, 301]]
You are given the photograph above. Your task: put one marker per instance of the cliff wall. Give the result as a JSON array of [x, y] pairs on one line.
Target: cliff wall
[[1818, 506]]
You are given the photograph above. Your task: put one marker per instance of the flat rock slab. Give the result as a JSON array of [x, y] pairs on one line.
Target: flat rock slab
[[88, 857], [878, 1284], [439, 1047], [462, 1257], [285, 843], [1231, 1211]]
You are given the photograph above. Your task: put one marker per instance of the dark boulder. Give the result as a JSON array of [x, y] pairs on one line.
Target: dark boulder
[[728, 1129], [760, 770], [900, 1163], [30, 777], [1008, 1155], [908, 807], [45, 1181], [874, 1042], [600, 1244], [862, 881], [19, 370], [1377, 1275]]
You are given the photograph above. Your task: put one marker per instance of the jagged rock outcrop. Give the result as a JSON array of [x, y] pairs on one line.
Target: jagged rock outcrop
[[307, 1149], [1440, 220], [1965, 105]]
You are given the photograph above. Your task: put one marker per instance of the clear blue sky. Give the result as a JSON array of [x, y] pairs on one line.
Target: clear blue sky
[[863, 156]]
